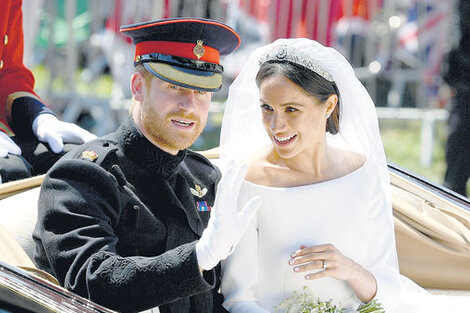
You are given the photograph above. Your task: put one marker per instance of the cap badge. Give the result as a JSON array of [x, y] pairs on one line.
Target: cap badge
[[198, 191], [89, 155], [199, 50]]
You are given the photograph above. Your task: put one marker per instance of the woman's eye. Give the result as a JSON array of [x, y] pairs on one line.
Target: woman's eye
[[201, 92], [175, 87], [291, 109], [266, 107]]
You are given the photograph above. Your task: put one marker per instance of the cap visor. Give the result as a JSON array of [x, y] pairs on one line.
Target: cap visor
[[193, 79]]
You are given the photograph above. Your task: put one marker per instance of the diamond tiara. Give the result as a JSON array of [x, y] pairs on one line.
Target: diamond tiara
[[286, 53]]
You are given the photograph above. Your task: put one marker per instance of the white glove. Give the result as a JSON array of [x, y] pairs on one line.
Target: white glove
[[47, 128], [226, 225], [8, 146]]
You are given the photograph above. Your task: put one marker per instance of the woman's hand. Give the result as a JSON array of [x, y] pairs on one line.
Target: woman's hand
[[322, 257], [334, 264]]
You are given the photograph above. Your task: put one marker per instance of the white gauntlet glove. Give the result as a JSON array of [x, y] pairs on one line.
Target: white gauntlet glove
[[8, 146], [47, 128], [226, 225]]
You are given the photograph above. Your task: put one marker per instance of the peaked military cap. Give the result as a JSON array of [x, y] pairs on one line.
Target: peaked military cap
[[183, 51]]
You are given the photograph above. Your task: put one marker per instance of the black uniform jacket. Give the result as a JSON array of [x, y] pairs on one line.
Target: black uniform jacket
[[118, 222]]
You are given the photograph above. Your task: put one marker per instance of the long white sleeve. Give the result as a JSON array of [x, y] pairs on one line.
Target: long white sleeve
[[240, 274], [382, 260]]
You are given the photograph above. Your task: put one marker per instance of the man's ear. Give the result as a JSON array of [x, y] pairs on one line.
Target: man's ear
[[138, 86]]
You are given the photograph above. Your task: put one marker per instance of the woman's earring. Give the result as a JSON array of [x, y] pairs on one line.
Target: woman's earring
[[327, 115]]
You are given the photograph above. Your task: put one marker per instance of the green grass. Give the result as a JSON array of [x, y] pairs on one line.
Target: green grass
[[100, 87], [402, 144], [401, 141]]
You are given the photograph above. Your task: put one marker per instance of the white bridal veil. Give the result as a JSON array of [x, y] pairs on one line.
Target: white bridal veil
[[242, 131]]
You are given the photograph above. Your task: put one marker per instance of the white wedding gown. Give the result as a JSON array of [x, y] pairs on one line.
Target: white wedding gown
[[350, 212]]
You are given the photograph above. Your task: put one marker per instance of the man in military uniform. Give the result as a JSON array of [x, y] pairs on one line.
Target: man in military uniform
[[131, 220]]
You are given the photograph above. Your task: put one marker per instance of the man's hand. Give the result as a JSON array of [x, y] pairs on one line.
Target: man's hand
[[226, 224], [8, 146], [47, 128]]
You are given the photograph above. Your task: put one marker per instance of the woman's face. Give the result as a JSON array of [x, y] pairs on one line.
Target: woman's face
[[294, 120]]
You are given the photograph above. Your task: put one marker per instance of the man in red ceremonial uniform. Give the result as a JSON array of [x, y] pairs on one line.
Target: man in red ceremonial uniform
[[25, 122]]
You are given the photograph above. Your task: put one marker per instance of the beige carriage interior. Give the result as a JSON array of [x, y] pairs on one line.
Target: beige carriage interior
[[432, 232]]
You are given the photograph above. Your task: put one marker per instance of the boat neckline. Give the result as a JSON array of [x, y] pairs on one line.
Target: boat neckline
[[329, 181]]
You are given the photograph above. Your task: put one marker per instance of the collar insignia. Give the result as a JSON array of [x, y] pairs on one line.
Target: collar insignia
[[198, 49], [89, 155], [198, 191]]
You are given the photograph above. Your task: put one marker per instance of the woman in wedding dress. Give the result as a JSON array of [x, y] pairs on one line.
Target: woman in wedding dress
[[308, 130]]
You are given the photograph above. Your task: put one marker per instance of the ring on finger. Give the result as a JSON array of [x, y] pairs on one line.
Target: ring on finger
[[324, 265]]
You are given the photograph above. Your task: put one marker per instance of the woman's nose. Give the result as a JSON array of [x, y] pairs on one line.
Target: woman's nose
[[277, 122]]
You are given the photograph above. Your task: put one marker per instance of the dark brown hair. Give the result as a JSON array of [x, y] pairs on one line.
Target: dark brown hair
[[312, 83]]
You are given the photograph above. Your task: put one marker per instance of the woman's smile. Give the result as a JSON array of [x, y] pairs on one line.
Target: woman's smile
[[284, 140]]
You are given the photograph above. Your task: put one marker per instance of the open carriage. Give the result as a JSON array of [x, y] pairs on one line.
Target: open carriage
[[432, 226]]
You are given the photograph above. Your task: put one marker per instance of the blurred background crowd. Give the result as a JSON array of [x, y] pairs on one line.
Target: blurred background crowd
[[406, 52]]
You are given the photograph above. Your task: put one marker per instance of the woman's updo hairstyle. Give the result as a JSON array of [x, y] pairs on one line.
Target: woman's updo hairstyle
[[313, 84]]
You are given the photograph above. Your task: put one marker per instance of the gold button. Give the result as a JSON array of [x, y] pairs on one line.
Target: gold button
[[1, 64], [5, 40]]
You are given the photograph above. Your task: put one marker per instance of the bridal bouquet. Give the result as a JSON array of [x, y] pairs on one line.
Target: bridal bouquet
[[306, 302]]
